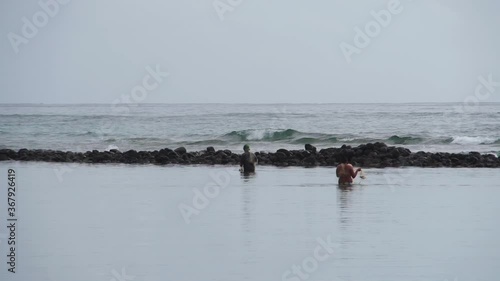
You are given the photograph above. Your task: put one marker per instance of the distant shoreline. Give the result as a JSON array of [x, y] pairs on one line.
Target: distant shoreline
[[370, 155]]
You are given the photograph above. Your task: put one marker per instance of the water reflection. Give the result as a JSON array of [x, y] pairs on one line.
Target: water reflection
[[344, 197], [248, 202], [344, 202], [247, 177], [248, 221]]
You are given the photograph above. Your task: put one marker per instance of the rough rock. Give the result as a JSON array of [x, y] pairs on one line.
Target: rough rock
[[376, 155]]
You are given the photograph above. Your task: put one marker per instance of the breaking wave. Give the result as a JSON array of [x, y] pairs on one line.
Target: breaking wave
[[297, 137]]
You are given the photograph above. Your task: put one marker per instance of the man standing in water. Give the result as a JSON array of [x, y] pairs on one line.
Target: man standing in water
[[345, 171], [248, 160]]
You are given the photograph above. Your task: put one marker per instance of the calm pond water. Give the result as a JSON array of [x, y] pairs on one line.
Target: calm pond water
[[119, 222]]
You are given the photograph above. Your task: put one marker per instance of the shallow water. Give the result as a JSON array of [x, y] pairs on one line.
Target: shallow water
[[95, 221]]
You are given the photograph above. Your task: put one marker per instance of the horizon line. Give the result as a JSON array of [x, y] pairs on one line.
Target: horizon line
[[237, 103]]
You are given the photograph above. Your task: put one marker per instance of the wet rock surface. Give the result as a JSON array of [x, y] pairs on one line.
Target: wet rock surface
[[374, 155]]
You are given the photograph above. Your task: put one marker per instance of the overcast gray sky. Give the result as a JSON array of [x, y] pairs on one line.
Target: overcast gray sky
[[261, 52]]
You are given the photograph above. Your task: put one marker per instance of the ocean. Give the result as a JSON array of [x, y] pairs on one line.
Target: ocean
[[123, 222], [451, 127]]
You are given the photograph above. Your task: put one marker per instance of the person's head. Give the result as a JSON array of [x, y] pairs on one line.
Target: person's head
[[246, 148], [344, 159]]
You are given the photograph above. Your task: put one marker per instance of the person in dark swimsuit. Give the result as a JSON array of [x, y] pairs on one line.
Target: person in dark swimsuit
[[248, 160], [345, 172]]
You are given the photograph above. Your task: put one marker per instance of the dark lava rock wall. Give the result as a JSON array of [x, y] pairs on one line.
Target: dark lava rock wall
[[376, 155]]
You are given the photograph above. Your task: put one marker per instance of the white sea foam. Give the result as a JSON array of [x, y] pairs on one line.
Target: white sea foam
[[257, 134], [112, 146], [472, 140]]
